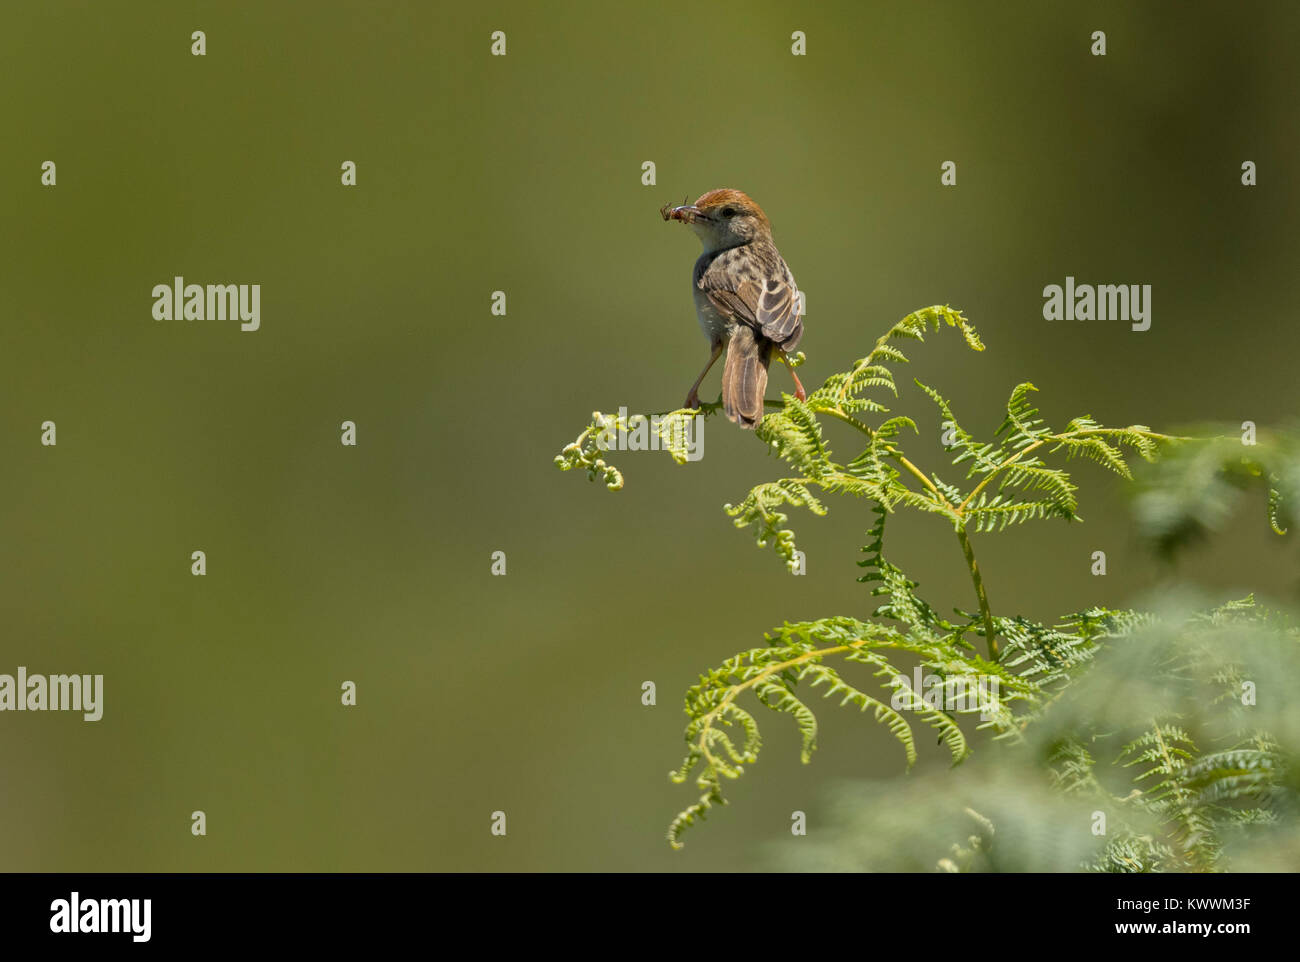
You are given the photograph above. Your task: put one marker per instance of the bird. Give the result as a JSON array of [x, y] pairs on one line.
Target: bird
[[746, 299]]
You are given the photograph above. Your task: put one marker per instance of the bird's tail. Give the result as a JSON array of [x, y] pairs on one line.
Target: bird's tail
[[744, 376]]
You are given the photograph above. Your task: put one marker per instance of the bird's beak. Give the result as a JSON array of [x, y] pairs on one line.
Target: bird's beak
[[687, 215]]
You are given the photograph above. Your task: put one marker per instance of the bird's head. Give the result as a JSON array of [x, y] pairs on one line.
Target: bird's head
[[723, 218]]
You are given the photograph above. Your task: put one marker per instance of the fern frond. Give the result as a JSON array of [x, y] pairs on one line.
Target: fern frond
[[985, 457], [795, 434], [1277, 510], [881, 712], [669, 431], [1233, 775], [761, 509], [779, 698], [843, 393], [1193, 490], [1022, 426], [796, 655], [996, 513]]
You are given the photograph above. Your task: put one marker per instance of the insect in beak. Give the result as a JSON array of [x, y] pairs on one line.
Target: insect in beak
[[667, 211]]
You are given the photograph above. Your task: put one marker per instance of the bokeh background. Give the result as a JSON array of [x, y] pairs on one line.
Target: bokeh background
[[523, 174]]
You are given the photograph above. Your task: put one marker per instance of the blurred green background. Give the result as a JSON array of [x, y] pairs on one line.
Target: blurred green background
[[523, 174]]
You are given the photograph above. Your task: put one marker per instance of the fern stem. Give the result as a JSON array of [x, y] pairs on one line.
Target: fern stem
[[847, 419], [908, 465], [994, 649], [924, 478]]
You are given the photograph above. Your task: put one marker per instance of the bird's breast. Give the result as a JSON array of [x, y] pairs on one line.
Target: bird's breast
[[715, 325]]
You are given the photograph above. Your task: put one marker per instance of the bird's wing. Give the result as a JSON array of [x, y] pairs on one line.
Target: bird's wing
[[770, 306], [778, 313]]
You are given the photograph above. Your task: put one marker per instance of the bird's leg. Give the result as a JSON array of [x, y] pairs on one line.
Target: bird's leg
[[693, 399], [799, 392]]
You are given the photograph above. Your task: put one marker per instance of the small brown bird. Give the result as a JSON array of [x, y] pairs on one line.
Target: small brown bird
[[745, 297]]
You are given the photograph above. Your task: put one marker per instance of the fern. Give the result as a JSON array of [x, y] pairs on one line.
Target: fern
[[1191, 494], [796, 654], [670, 430], [1180, 782]]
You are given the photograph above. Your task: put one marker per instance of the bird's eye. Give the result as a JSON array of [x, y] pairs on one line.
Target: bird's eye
[[728, 212]]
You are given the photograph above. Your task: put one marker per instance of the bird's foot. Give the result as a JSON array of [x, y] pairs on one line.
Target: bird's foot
[[799, 392], [692, 401]]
